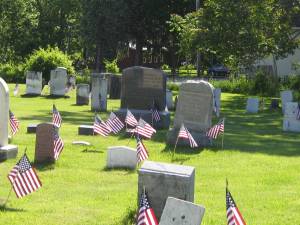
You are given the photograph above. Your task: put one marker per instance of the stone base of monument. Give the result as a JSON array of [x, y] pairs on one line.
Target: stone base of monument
[[173, 180], [31, 128], [8, 152], [85, 130], [164, 122], [121, 157], [200, 138], [178, 212]]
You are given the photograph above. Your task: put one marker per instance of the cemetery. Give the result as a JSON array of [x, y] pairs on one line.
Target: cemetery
[[110, 114]]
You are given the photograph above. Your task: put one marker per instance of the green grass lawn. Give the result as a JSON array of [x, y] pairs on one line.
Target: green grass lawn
[[261, 162]]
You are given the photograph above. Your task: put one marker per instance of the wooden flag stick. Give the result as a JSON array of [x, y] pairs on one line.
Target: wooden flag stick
[[175, 146]]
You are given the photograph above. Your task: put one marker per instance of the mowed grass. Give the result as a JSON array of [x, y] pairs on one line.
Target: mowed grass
[[260, 161]]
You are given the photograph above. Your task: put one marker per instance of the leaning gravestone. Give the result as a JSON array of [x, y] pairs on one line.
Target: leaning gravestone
[[141, 87], [44, 145], [6, 151], [82, 94], [121, 157], [290, 121], [58, 81], [286, 96], [179, 212], [252, 105], [194, 110], [34, 83], [173, 180], [99, 93]]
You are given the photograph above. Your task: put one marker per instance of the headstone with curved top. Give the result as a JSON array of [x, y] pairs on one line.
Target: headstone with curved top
[[6, 151], [58, 81]]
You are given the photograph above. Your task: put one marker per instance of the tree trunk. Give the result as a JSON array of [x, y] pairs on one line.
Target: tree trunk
[[98, 58]]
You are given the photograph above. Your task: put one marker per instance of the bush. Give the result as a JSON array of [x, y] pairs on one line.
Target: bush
[[240, 85], [111, 66], [265, 85], [173, 87], [45, 60], [84, 77], [12, 73]]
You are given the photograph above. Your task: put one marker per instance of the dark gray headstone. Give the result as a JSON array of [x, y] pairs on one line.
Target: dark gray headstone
[[31, 128], [44, 145], [85, 130], [114, 86], [162, 180]]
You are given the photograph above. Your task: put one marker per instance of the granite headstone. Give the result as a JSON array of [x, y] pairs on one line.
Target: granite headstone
[[82, 94], [121, 157], [114, 86], [99, 93], [34, 83], [58, 81], [44, 145]]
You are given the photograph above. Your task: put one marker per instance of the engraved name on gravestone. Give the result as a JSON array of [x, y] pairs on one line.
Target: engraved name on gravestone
[[44, 144], [58, 81], [34, 83], [6, 151], [141, 86]]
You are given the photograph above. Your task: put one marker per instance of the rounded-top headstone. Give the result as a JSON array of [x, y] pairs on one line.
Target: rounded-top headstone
[[58, 81], [34, 83]]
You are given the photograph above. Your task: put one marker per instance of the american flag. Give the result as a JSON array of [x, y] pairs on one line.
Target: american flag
[[141, 150], [144, 129], [234, 217], [56, 118], [216, 130], [24, 178], [298, 112], [130, 119], [184, 133], [16, 90], [101, 127], [58, 144], [14, 123], [114, 123], [146, 214], [155, 113]]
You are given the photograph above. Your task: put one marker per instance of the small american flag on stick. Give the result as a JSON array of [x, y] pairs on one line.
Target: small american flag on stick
[[130, 119], [144, 129], [101, 127], [114, 123], [184, 133], [234, 217], [146, 214], [56, 118], [23, 178], [141, 150], [216, 130], [58, 143], [14, 123]]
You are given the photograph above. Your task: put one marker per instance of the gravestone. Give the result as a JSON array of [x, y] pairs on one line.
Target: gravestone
[[58, 81], [121, 157], [34, 83], [82, 94], [99, 93], [6, 151], [44, 145], [114, 86], [290, 121], [286, 96], [217, 101], [31, 128], [173, 181], [252, 105], [169, 99], [86, 130], [179, 212], [194, 110], [141, 87]]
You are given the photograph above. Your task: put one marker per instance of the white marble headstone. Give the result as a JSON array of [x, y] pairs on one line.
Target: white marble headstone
[[121, 157], [99, 93], [58, 81], [252, 105], [290, 120], [286, 96], [34, 83]]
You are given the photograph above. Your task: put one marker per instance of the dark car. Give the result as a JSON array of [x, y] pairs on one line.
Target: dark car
[[218, 70]]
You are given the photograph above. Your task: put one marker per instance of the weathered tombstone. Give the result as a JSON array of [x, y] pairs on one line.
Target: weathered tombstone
[[286, 96], [58, 81], [290, 121], [44, 145], [173, 180], [169, 99], [82, 94], [194, 110], [252, 105], [6, 151], [121, 157], [34, 84], [114, 86], [179, 212], [99, 93], [141, 87], [217, 100]]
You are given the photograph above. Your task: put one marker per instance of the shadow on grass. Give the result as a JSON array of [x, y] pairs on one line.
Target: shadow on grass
[[4, 208], [44, 166], [91, 151], [129, 171]]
